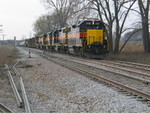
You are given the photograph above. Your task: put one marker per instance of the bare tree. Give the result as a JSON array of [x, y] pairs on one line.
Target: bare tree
[[62, 12], [81, 12], [64, 9], [114, 13], [45, 23], [120, 19], [144, 12]]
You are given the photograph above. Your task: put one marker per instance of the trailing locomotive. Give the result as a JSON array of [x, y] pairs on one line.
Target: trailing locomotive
[[86, 38]]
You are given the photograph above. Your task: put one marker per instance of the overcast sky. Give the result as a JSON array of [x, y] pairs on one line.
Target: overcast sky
[[18, 16]]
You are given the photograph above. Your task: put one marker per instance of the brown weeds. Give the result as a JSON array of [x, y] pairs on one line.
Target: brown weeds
[[133, 51], [6, 55]]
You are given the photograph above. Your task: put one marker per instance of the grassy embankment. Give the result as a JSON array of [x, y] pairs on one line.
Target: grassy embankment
[[133, 51], [7, 54]]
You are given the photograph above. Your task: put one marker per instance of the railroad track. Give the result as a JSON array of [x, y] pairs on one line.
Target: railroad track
[[22, 103], [5, 109], [131, 65], [117, 68], [136, 64], [93, 73], [96, 76], [131, 70]]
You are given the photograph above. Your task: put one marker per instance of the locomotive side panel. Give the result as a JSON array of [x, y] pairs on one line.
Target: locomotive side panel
[[62, 35], [74, 37]]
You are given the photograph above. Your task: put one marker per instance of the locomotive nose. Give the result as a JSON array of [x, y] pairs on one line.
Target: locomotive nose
[[94, 35]]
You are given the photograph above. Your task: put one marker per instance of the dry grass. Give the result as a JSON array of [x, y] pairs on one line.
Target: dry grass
[[133, 51], [7, 54]]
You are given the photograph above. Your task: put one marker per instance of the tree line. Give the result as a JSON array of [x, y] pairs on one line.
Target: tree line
[[116, 14]]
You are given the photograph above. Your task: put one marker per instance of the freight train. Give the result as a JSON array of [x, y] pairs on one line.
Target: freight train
[[88, 38]]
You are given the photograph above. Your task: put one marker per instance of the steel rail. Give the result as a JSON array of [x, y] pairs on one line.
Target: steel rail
[[5, 109], [125, 64], [16, 63], [26, 102], [119, 68], [106, 80], [117, 73], [16, 71], [25, 99], [137, 64], [17, 95], [116, 62], [128, 70], [123, 69]]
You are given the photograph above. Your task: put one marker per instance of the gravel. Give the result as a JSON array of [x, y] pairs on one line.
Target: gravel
[[52, 88]]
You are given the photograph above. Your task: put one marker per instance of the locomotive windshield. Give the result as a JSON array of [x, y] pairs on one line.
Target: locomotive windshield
[[91, 25]]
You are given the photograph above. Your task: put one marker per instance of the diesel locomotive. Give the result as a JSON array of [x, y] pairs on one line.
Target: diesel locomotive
[[86, 38]]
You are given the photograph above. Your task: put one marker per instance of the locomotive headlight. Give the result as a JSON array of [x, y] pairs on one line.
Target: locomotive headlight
[[89, 46]]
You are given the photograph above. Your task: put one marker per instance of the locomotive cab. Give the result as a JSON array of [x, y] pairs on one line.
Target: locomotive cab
[[92, 34]]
